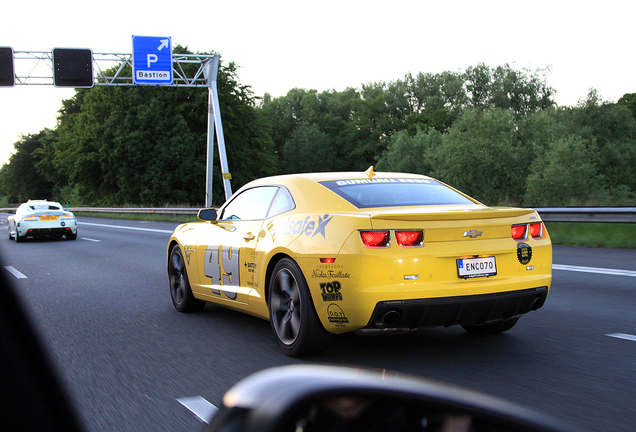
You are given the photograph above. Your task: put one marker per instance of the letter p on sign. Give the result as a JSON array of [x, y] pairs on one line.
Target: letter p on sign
[[152, 58]]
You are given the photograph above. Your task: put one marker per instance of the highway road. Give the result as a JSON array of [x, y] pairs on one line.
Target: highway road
[[102, 306]]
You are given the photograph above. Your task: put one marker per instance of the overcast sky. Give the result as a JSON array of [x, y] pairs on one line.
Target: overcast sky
[[330, 44]]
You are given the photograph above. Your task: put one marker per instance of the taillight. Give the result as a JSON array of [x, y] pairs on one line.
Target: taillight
[[375, 239], [519, 232], [536, 230], [410, 238]]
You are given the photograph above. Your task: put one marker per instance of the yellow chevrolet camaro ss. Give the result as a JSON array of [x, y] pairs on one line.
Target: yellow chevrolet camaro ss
[[329, 253]]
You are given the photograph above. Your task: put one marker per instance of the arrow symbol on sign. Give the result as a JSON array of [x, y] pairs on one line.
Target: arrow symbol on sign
[[164, 44]]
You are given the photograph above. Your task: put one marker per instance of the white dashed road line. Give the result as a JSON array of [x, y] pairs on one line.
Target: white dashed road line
[[597, 270], [622, 336], [90, 239], [15, 273], [203, 409]]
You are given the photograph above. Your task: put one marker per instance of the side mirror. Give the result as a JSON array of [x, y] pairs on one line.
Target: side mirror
[[208, 214], [318, 398]]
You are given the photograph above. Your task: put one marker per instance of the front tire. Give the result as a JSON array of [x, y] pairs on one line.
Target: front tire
[[180, 291], [492, 328], [296, 326]]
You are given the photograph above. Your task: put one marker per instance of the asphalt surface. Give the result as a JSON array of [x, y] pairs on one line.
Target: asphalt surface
[[102, 306]]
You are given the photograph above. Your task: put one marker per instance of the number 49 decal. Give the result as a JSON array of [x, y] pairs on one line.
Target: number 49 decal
[[222, 265]]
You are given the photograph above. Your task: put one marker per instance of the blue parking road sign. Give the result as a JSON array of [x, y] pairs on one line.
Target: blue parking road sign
[[152, 60]]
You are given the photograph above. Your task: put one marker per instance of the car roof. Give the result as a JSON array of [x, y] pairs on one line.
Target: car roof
[[309, 195], [30, 204]]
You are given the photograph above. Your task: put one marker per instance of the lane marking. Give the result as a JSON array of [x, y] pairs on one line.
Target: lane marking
[[90, 239], [15, 273], [615, 272], [203, 409], [125, 227], [622, 336]]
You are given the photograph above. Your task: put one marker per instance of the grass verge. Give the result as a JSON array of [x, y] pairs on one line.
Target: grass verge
[[605, 235]]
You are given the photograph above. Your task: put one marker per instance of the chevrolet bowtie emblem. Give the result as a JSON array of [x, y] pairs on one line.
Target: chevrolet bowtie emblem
[[473, 233]]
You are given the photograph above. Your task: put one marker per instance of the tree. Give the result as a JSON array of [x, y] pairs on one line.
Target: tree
[[629, 100], [412, 154], [308, 150], [482, 155], [20, 178], [564, 175], [610, 129], [521, 91], [147, 145]]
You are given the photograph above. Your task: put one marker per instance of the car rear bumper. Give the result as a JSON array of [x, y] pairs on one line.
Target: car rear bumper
[[448, 311], [48, 232]]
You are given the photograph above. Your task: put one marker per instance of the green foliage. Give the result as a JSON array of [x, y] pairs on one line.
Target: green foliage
[[482, 156], [494, 133], [147, 144], [629, 100], [565, 174], [520, 91], [19, 178], [308, 150], [413, 154]]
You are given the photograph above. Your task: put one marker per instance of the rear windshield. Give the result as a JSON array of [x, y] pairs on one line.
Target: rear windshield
[[397, 192]]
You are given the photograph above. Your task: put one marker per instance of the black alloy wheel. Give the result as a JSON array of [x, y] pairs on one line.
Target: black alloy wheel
[[292, 315], [180, 291]]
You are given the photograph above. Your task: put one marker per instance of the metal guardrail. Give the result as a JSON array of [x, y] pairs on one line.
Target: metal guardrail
[[588, 214], [548, 214], [144, 210]]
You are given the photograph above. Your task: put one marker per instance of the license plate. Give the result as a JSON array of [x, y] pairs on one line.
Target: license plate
[[48, 218], [476, 267]]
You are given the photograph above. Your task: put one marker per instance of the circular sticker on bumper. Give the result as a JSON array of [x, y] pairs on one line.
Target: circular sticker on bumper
[[524, 253]]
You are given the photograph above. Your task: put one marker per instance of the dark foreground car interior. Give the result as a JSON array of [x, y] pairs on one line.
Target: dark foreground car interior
[[33, 398]]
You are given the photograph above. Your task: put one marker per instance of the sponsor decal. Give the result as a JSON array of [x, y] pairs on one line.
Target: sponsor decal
[[221, 264], [311, 228], [336, 315], [188, 253], [363, 181], [524, 253], [250, 266], [271, 231], [331, 291], [330, 274]]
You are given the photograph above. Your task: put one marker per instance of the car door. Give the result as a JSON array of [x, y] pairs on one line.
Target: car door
[[226, 247]]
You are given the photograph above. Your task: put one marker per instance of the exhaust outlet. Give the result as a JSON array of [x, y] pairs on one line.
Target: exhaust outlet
[[536, 303], [389, 318]]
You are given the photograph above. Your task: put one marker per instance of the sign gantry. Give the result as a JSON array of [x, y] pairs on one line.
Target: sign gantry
[[151, 63]]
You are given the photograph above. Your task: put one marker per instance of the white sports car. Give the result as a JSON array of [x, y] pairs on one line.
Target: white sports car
[[41, 218]]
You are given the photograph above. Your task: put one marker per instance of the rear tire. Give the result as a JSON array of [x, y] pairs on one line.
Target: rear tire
[[180, 291], [492, 328], [70, 236], [296, 326], [18, 238]]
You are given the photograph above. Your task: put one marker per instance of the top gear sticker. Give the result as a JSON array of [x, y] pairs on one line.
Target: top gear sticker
[[524, 253]]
